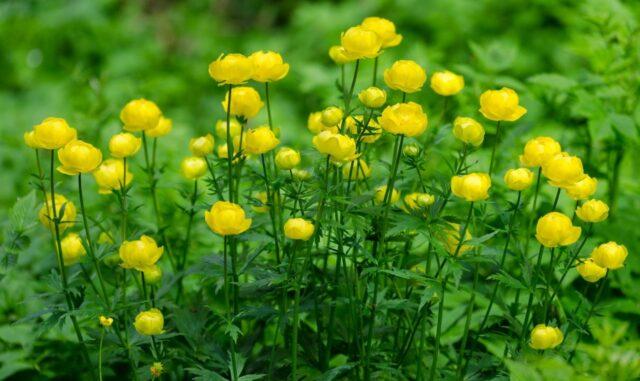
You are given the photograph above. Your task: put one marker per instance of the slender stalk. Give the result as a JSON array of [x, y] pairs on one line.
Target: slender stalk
[[493, 150], [234, 371], [100, 355], [572, 261], [525, 322], [296, 307], [375, 71], [601, 288], [187, 239], [467, 324], [230, 146], [272, 207], [214, 180], [123, 201]]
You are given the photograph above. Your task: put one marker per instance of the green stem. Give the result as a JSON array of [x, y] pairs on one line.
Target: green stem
[[493, 151], [230, 146], [375, 71], [272, 207], [234, 371], [100, 355], [187, 240], [214, 180], [467, 324], [601, 288], [296, 306], [525, 322]]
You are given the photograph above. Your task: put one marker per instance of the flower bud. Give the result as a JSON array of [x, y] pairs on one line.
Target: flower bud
[[298, 229], [411, 150], [193, 167], [226, 218], [331, 116], [30, 139], [468, 130], [149, 323], [339, 55], [72, 249], [260, 140], [45, 215], [518, 179], [315, 125], [539, 150], [356, 170], [406, 76], [404, 119], [385, 29], [140, 254], [223, 151], [221, 129], [78, 157], [153, 274], [471, 187], [417, 201], [301, 174], [263, 207], [231, 69], [593, 211], [202, 145], [372, 97], [450, 238], [287, 158], [156, 370], [380, 193], [501, 105], [590, 271], [610, 255], [245, 102], [359, 43], [111, 175], [340, 147], [446, 83], [140, 115], [106, 322], [124, 145], [555, 229], [268, 66], [583, 189], [161, 129], [544, 337], [563, 170], [53, 133]]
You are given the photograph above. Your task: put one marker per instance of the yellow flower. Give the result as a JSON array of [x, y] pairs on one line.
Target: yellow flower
[[471, 187], [539, 150], [124, 145], [226, 218], [140, 254], [149, 322], [268, 66], [583, 189], [563, 170], [161, 129], [46, 214], [298, 229], [331, 116], [356, 170], [406, 76], [545, 337], [404, 118], [78, 157], [231, 69], [72, 249], [340, 147], [468, 130], [264, 202], [359, 43], [315, 125], [301, 174], [202, 145], [593, 211], [356, 124], [106, 321], [446, 83], [610, 255], [157, 369], [110, 176], [221, 128], [193, 167], [555, 229], [373, 97], [501, 105], [153, 274], [450, 238], [245, 102], [518, 179], [53, 133], [287, 158], [385, 29], [590, 271], [30, 139], [417, 201], [140, 115], [339, 55], [223, 151], [380, 192], [260, 140]]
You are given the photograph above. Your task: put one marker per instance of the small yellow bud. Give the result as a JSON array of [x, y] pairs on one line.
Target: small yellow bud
[[355, 126], [411, 150], [105, 239], [78, 157], [610, 255], [193, 167], [153, 274], [298, 229], [501, 105], [72, 249], [140, 115], [593, 211], [46, 214], [583, 189], [471, 187], [385, 29], [406, 76], [331, 116], [450, 238], [356, 170], [263, 207], [231, 69], [202, 145], [590, 271], [110, 176], [373, 97], [545, 337], [124, 145], [417, 201], [468, 130], [518, 179], [157, 369], [161, 129], [245, 102], [379, 195], [404, 119], [301, 174], [140, 254], [226, 218], [149, 323], [555, 229], [221, 129], [287, 158], [106, 322], [446, 83]]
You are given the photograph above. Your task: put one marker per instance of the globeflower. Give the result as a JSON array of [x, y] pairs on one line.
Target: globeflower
[[72, 249], [385, 29], [406, 76], [111, 175], [78, 157], [381, 191], [287, 158], [356, 124], [152, 275], [471, 187], [356, 170], [583, 189], [372, 97], [245, 102], [268, 66], [124, 145], [226, 218], [518, 179], [539, 150], [610, 255], [231, 69], [105, 321], [161, 129], [340, 147], [149, 323], [563, 170], [52, 133], [260, 140], [590, 271], [468, 131], [315, 125], [593, 211], [417, 201], [555, 229], [140, 115], [30, 139], [140, 254], [359, 43], [45, 215], [339, 55], [193, 167], [501, 105], [202, 145], [446, 83], [221, 128], [331, 116], [545, 337], [298, 229], [404, 119]]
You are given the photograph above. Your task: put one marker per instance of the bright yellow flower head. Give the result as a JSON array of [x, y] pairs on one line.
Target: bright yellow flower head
[[545, 337], [226, 218], [555, 229], [153, 274], [593, 211], [78, 157], [105, 321], [231, 69], [359, 43], [359, 171], [450, 238], [404, 119], [610, 255], [539, 150], [446, 83], [563, 170], [471, 187], [340, 147], [298, 229], [263, 207], [356, 124], [140, 254], [406, 76], [110, 176], [287, 158], [339, 55], [202, 145], [245, 102], [46, 214], [468, 130], [381, 191], [331, 116], [223, 151], [373, 97], [149, 323], [124, 145], [315, 125], [30, 139], [193, 167], [518, 179], [161, 129], [72, 249], [583, 189], [590, 271], [268, 66], [140, 115], [221, 129], [260, 140], [418, 201], [385, 29], [53, 133], [501, 105]]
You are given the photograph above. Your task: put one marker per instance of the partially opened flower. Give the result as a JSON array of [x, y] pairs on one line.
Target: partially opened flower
[[545, 337], [593, 211], [140, 254], [555, 229], [231, 69], [471, 187], [446, 83], [501, 105], [359, 43], [341, 148], [78, 157], [140, 115], [72, 249], [404, 119], [268, 66], [111, 175], [226, 218], [161, 129], [124, 145], [46, 212], [539, 150], [149, 323], [298, 229], [245, 102], [590, 271], [406, 76], [610, 255], [52, 133], [385, 29]]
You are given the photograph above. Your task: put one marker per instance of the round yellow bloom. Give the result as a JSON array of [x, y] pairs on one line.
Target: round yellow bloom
[[263, 207], [161, 129], [385, 29], [446, 83], [260, 140], [30, 139], [110, 176], [518, 179], [590, 271], [287, 158], [124, 145], [417, 201], [501, 105], [471, 187], [358, 169], [315, 125], [46, 214], [245, 102], [298, 229], [610, 255], [359, 43], [140, 115], [331, 116], [78, 157], [226, 218], [301, 174], [563, 170], [202, 145], [339, 55], [583, 189], [340, 147], [539, 150], [406, 76], [468, 130], [545, 337], [140, 254], [153, 274], [450, 238], [404, 118], [149, 322], [373, 97], [593, 211], [106, 321], [193, 167], [555, 229], [378, 195], [231, 69], [356, 124], [72, 249], [221, 128], [268, 66], [53, 133]]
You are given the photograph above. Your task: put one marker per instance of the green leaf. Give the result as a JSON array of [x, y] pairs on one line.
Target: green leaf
[[553, 81], [520, 371], [625, 126], [23, 213]]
